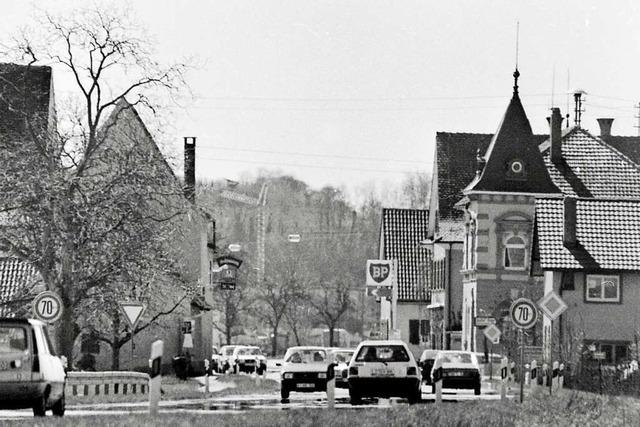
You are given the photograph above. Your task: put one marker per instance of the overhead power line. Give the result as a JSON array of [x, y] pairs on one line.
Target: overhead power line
[[330, 156], [308, 166]]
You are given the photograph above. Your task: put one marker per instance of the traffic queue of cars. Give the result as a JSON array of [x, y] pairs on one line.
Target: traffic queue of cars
[[238, 358], [377, 369]]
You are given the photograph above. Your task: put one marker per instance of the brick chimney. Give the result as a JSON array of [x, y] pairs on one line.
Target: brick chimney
[[569, 236], [190, 168], [555, 124], [605, 127]]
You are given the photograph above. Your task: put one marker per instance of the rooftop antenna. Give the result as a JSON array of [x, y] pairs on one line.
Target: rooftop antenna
[[516, 73], [553, 85], [568, 92], [577, 97]]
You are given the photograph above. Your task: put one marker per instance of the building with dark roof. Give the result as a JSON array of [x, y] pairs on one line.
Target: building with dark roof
[[484, 208], [401, 232]]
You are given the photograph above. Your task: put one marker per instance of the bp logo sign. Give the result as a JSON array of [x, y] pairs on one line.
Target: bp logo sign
[[379, 272]]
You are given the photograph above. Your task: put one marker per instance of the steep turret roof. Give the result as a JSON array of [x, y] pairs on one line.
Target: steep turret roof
[[513, 160]]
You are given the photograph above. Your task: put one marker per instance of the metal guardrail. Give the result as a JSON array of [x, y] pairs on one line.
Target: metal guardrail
[[106, 383]]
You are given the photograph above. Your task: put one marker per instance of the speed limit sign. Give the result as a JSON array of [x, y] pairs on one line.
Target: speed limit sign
[[524, 313], [47, 306]]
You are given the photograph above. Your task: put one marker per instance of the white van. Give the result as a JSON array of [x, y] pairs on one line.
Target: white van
[[31, 376]]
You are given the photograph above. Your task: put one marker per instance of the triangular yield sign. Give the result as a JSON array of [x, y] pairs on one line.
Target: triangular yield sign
[[133, 312]]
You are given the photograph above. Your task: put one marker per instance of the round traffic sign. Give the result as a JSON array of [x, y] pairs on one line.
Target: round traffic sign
[[47, 306], [524, 313]]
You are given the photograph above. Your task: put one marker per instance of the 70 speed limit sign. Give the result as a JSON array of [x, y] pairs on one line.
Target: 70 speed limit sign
[[47, 306], [524, 313]]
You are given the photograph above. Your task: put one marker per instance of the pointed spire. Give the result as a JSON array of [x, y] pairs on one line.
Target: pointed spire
[[516, 74]]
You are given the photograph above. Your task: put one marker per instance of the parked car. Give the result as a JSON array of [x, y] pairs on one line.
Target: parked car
[[383, 369], [304, 370], [31, 375], [226, 352], [426, 363], [459, 369], [341, 357], [216, 357], [248, 359]]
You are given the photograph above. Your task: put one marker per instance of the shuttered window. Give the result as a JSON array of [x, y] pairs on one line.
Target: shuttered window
[[414, 331]]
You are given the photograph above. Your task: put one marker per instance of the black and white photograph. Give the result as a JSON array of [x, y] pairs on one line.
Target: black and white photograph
[[251, 213]]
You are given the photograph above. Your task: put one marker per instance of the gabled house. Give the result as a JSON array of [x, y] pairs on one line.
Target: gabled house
[[492, 235], [401, 232]]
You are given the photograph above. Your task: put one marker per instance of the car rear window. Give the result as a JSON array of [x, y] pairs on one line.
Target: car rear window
[[12, 339], [343, 356], [228, 351], [307, 356], [382, 353], [250, 351], [461, 358]]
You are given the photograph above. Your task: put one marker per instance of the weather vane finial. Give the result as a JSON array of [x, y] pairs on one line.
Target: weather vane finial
[[516, 73]]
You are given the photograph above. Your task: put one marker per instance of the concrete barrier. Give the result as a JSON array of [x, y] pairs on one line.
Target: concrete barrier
[[84, 384]]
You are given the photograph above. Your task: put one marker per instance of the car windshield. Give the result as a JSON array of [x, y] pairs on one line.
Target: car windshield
[[12, 339], [307, 356], [343, 356], [458, 358], [228, 351], [382, 353], [250, 351]]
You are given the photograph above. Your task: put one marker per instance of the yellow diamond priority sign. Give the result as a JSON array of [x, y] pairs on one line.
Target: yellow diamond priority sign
[[552, 305]]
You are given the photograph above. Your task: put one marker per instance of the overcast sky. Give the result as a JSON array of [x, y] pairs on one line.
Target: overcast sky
[[344, 92]]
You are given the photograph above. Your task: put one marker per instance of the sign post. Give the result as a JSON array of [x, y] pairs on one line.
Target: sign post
[[132, 312], [155, 377], [524, 315], [552, 306], [47, 306], [503, 376]]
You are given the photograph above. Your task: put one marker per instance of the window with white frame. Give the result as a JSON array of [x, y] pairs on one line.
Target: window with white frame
[[602, 288], [514, 253]]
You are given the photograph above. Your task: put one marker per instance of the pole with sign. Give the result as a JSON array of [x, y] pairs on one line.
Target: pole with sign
[[132, 312], [552, 306], [47, 306], [524, 315]]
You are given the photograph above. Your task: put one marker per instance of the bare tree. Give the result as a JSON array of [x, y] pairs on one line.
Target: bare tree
[[89, 198], [331, 301], [232, 306]]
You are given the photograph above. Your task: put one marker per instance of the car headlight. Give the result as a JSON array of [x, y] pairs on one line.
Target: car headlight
[[287, 375], [322, 375]]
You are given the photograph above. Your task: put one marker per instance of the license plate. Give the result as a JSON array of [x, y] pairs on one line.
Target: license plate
[[456, 374], [305, 385], [382, 373]]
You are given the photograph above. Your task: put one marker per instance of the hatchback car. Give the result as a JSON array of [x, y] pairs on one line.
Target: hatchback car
[[31, 375], [459, 369], [426, 363], [248, 359], [383, 369], [341, 357], [304, 370]]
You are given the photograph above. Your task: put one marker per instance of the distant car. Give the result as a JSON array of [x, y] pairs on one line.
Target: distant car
[[304, 370], [383, 369], [426, 363], [216, 365], [341, 356], [248, 359], [226, 352], [460, 369], [31, 375]]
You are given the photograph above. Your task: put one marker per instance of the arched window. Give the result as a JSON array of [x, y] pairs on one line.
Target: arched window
[[514, 253]]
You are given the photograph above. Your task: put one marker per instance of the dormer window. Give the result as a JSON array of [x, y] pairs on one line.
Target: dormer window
[[514, 253], [516, 170]]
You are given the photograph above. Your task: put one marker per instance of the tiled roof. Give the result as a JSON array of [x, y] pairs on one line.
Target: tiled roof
[[17, 279], [629, 145], [592, 168], [607, 233], [24, 90], [402, 232], [456, 165]]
